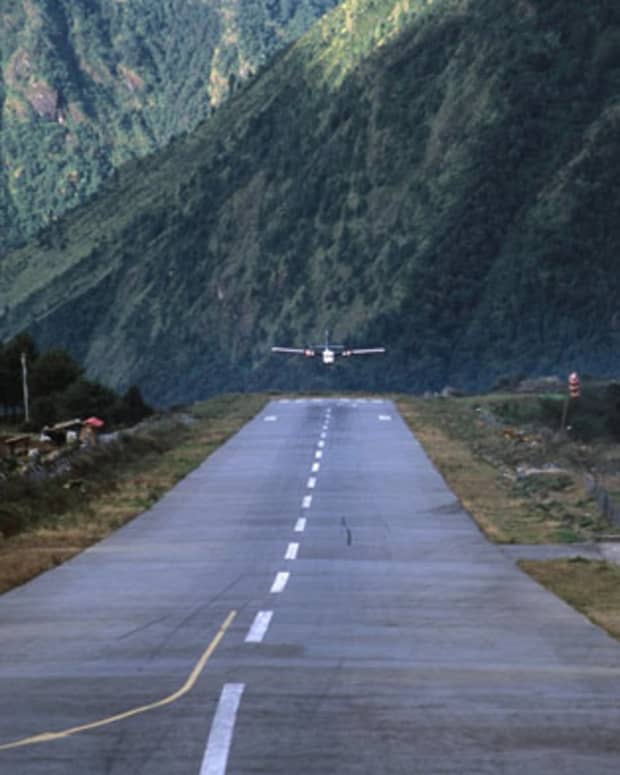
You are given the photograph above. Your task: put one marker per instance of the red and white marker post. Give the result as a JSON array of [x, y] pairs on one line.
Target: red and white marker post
[[574, 385], [574, 391]]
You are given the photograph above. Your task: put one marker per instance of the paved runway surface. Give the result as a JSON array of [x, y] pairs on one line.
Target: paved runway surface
[[376, 630]]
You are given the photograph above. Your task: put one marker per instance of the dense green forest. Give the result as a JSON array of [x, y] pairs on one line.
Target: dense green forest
[[441, 178], [88, 84]]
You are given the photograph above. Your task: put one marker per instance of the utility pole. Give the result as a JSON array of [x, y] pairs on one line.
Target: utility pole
[[25, 387]]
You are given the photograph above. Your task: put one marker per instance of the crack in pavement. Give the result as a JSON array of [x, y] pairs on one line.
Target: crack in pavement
[[343, 522]]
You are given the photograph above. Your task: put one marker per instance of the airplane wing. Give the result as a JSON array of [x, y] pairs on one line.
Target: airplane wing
[[363, 351], [333, 347], [294, 351]]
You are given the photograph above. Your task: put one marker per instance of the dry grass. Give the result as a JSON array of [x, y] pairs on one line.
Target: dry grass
[[123, 489], [479, 463], [591, 587]]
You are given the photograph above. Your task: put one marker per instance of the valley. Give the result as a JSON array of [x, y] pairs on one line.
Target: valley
[[439, 178]]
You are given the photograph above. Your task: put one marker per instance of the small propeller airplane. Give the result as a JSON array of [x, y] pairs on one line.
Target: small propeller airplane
[[328, 352]]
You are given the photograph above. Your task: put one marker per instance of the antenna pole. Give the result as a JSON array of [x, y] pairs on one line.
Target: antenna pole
[[25, 387]]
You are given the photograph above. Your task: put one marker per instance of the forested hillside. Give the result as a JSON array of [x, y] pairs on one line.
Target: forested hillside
[[88, 84], [442, 178]]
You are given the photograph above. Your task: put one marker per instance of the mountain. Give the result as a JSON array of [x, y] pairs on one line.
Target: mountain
[[441, 178], [88, 84]]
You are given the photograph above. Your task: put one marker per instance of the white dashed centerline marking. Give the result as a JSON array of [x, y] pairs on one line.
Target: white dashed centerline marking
[[300, 525], [323, 434], [312, 482], [291, 551], [220, 737], [259, 627], [315, 467], [280, 582], [321, 444], [385, 417], [318, 455], [271, 418], [307, 501]]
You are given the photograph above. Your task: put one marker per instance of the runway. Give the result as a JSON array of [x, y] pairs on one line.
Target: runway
[[311, 600]]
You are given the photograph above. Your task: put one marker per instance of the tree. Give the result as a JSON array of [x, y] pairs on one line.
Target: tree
[[84, 398], [53, 372], [132, 407], [44, 412]]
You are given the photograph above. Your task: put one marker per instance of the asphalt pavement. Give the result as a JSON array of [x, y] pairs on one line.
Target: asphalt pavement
[[311, 600]]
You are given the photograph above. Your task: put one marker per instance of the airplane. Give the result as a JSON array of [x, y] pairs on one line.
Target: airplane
[[328, 352]]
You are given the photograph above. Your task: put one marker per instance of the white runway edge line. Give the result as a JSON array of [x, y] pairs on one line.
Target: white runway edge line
[[300, 525], [291, 551], [259, 627], [307, 502], [280, 582], [222, 728]]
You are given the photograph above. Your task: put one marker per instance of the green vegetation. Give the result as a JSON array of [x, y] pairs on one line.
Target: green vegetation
[[88, 84], [43, 523], [58, 389], [591, 587], [438, 177], [595, 415]]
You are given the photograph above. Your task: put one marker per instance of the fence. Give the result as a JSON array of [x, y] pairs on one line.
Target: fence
[[609, 508]]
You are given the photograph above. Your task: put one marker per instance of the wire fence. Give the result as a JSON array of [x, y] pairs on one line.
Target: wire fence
[[608, 506]]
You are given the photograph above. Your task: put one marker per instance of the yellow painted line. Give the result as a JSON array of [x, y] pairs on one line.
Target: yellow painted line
[[46, 737]]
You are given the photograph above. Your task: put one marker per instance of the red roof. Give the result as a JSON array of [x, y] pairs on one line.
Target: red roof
[[94, 422]]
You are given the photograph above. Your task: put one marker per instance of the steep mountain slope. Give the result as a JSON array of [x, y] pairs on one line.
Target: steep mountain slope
[[88, 84], [441, 178]]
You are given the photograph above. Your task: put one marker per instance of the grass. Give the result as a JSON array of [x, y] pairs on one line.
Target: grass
[[488, 464], [591, 587], [56, 519]]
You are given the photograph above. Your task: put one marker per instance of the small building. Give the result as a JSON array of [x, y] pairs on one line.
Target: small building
[[89, 430]]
